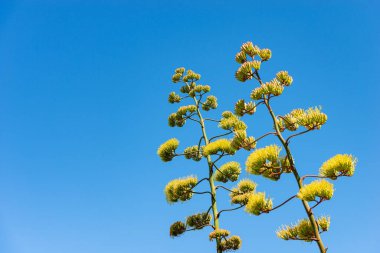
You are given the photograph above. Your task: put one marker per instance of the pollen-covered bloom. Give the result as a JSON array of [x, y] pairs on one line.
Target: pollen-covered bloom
[[244, 72], [228, 172], [312, 118], [201, 89], [318, 188], [177, 228], [270, 88], [221, 145], [242, 108], [303, 230], [218, 233], [210, 103], [231, 243], [167, 150], [339, 165], [284, 78], [198, 221], [265, 161], [180, 189], [193, 153], [257, 204]]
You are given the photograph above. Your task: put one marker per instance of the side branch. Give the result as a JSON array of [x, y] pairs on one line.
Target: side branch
[[283, 203], [228, 210], [221, 135]]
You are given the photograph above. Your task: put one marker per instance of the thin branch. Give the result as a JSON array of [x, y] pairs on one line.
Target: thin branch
[[230, 132], [319, 202], [283, 203], [300, 133], [225, 188], [203, 179], [192, 229], [274, 133], [201, 192], [228, 210], [214, 120]]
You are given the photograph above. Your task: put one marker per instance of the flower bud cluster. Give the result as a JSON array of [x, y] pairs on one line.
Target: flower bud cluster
[[179, 118], [210, 103], [230, 121], [193, 153]]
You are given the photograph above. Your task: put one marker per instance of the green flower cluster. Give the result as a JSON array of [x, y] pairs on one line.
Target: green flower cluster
[[179, 118], [193, 153], [177, 228], [198, 221], [174, 98], [218, 233], [231, 243], [210, 103]]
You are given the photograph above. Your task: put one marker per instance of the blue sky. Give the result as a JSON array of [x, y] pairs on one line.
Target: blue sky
[[83, 91]]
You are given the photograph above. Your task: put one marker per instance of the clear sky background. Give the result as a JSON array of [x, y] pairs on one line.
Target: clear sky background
[[83, 108]]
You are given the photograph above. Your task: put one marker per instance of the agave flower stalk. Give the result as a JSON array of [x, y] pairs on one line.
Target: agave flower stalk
[[268, 162]]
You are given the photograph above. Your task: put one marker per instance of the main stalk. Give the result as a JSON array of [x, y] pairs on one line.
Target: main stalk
[[210, 177]]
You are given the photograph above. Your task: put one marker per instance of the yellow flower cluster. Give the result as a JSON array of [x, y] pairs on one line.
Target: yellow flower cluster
[[242, 108], [221, 145], [198, 221], [241, 193], [240, 140], [318, 188], [231, 243], [303, 230], [167, 150], [193, 153], [179, 118], [273, 87], [257, 204], [313, 118], [177, 228], [339, 165], [284, 78], [218, 233], [180, 189], [228, 172], [230, 121], [265, 161], [210, 103]]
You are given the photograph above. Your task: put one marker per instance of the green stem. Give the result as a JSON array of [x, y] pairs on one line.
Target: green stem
[[297, 177], [211, 180]]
